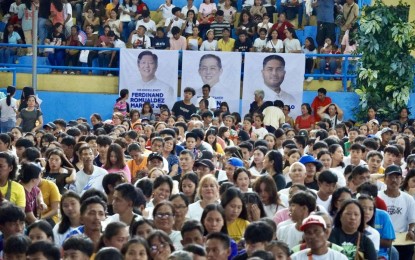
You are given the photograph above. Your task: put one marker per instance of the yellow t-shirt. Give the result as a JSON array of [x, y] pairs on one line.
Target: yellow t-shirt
[[226, 46], [50, 193], [237, 228], [17, 194]]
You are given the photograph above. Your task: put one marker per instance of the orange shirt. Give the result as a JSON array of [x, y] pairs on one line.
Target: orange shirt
[[135, 168]]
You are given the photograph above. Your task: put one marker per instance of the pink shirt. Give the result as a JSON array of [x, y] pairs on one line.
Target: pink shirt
[[207, 9], [180, 44], [125, 170], [281, 216]]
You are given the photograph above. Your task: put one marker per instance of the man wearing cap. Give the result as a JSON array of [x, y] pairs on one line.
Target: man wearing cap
[[156, 160], [231, 165], [400, 208], [138, 38], [386, 136], [49, 127], [315, 236], [312, 166], [204, 167], [174, 21]]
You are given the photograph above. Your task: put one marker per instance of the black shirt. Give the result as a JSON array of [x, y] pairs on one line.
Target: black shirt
[[243, 46], [44, 9], [180, 108]]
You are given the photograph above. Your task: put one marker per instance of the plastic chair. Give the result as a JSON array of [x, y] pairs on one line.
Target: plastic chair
[[27, 60], [300, 36], [310, 31]]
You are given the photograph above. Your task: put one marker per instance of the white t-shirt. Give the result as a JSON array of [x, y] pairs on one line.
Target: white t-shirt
[[325, 204], [278, 47], [185, 9], [209, 46], [8, 112], [60, 238], [261, 132], [67, 10], [266, 26], [373, 235], [116, 218], [14, 8], [330, 255], [195, 211], [166, 10], [339, 171], [143, 42], [212, 102], [178, 23], [401, 210], [176, 238], [84, 181], [259, 44], [292, 45], [290, 235], [150, 26]]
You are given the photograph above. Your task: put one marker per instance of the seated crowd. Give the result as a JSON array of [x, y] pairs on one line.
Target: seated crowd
[[206, 184], [209, 27]]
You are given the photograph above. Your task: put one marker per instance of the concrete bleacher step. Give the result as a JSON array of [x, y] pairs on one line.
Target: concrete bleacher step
[[28, 60]]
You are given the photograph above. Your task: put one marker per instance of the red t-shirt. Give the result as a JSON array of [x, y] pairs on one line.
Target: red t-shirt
[[380, 204], [317, 103], [304, 123]]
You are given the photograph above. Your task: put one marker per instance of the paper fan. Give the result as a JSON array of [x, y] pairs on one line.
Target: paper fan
[[82, 37]]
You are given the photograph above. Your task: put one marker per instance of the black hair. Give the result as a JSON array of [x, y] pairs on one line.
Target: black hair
[[65, 223], [190, 225], [29, 171], [31, 154], [123, 93], [334, 197], [42, 225], [111, 179], [357, 146], [104, 140], [49, 250], [195, 249], [312, 47], [304, 198], [160, 180], [16, 244], [68, 141], [214, 207], [10, 92], [94, 192], [368, 188], [359, 170], [213, 56], [135, 240], [79, 242], [327, 177], [175, 30], [23, 142], [92, 200], [371, 143], [191, 90], [146, 186], [391, 149], [224, 238], [11, 213], [129, 192], [108, 253], [257, 232], [337, 220], [110, 231], [231, 194], [136, 224]]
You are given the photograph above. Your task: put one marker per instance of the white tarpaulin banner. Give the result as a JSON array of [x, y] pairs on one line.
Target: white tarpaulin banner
[[280, 82], [150, 76], [221, 70]]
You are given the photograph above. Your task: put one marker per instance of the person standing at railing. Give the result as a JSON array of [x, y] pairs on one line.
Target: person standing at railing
[[105, 42], [115, 56], [11, 37], [44, 24], [350, 15], [309, 48], [325, 20], [25, 15], [57, 56], [91, 41], [72, 56], [328, 65]]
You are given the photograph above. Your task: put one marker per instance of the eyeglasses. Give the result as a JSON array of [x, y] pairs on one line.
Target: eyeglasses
[[155, 248], [164, 215]]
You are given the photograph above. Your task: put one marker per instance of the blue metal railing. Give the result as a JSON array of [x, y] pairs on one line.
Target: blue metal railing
[[345, 76]]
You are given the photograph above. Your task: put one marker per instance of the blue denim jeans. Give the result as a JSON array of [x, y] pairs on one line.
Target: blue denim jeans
[[7, 126], [43, 29]]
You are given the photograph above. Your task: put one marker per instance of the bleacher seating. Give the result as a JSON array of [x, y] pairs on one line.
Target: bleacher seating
[[27, 60]]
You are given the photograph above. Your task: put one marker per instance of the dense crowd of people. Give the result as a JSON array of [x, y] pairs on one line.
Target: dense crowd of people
[[208, 27], [189, 182]]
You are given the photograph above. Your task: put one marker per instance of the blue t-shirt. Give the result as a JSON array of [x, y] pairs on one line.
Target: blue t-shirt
[[325, 11], [383, 225]]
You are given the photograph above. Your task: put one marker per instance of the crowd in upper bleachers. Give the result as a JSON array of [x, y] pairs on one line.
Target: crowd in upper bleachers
[[208, 27], [190, 182]]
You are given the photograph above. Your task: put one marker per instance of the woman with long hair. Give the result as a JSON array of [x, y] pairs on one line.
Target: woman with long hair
[[121, 104], [266, 188], [169, 153], [245, 24], [160, 244], [29, 115], [136, 248], [408, 184], [8, 110], [12, 37], [291, 43], [188, 186], [164, 219], [115, 235], [309, 48], [191, 22], [257, 165], [70, 208], [25, 14], [56, 38], [116, 162], [30, 176], [273, 166], [211, 138], [147, 112], [180, 204], [306, 119], [235, 213], [59, 169], [5, 143], [274, 44]]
